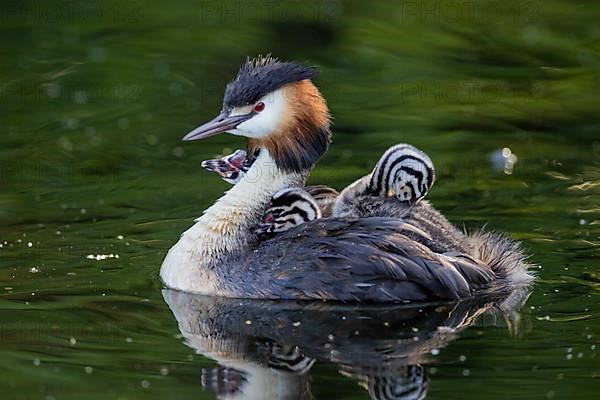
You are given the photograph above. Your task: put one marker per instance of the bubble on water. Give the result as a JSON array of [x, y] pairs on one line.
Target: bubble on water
[[466, 372], [53, 90], [462, 358], [88, 370], [36, 362], [296, 324], [435, 352], [128, 339], [504, 160], [145, 384], [29, 244], [569, 356], [550, 394], [101, 257], [120, 237], [164, 371], [330, 337], [34, 270], [248, 322], [72, 341]]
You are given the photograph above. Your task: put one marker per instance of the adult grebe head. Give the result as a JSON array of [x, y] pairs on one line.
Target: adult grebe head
[[275, 105]]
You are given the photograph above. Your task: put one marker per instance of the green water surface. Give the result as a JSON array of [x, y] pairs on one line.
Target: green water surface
[[96, 185]]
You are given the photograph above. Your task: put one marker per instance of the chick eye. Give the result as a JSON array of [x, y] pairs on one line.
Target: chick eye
[[258, 107]]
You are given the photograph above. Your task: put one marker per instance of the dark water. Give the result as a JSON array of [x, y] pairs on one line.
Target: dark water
[[96, 186]]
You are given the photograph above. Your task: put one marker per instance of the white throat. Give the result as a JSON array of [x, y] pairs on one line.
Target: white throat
[[225, 230]]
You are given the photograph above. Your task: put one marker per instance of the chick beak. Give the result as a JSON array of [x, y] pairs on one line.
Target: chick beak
[[221, 123]]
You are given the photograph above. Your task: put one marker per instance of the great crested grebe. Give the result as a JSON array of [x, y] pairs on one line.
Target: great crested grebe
[[276, 105]]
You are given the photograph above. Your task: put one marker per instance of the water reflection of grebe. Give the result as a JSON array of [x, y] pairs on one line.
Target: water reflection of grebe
[[265, 349]]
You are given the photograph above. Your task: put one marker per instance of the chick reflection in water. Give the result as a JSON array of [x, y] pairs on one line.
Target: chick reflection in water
[[265, 349]]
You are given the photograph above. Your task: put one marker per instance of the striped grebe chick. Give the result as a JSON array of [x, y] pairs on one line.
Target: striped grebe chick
[[231, 168], [347, 257], [289, 208], [395, 188]]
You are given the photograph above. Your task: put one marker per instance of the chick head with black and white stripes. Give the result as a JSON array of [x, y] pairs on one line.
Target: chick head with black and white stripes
[[288, 209], [404, 172]]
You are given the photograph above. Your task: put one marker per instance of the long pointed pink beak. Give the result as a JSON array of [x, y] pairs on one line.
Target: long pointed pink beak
[[221, 123]]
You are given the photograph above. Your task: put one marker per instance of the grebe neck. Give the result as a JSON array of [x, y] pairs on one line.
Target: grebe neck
[[225, 231]]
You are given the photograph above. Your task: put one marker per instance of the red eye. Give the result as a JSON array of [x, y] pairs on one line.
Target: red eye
[[259, 106]]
